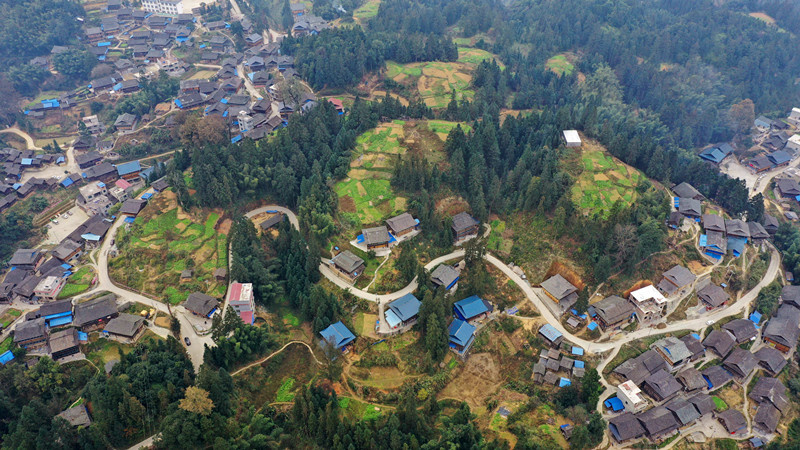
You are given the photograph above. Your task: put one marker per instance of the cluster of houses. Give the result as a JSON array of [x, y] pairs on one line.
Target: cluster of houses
[[554, 367], [647, 304], [680, 393], [349, 266], [723, 236], [779, 143], [34, 277], [305, 23], [58, 328], [11, 192], [15, 162]]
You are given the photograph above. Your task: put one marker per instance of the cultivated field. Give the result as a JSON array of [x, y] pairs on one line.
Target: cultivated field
[[560, 65], [163, 242], [434, 82], [366, 11], [366, 195], [604, 181], [476, 56]]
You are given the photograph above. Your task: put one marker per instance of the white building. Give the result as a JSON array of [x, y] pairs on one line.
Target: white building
[[91, 191], [794, 117], [649, 304], [48, 289], [793, 143], [571, 138], [631, 397], [241, 299], [245, 121], [170, 7]]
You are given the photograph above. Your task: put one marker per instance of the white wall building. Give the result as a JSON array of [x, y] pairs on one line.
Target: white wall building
[[649, 303], [631, 397], [170, 7], [572, 138]]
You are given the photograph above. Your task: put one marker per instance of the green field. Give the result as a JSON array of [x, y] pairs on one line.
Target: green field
[[604, 181], [559, 65], [162, 243], [367, 194], [78, 283], [285, 393], [475, 56], [434, 81], [367, 11], [719, 403]]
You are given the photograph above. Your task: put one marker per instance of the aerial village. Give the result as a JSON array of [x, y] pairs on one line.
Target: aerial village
[[713, 370]]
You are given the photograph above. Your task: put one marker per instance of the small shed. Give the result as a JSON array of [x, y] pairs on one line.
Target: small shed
[[571, 138]]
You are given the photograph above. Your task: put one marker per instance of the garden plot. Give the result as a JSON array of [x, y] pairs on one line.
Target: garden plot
[[475, 56], [163, 242], [604, 181], [434, 82], [560, 64]]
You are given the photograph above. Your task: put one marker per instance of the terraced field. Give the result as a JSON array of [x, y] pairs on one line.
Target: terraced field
[[604, 181], [163, 241]]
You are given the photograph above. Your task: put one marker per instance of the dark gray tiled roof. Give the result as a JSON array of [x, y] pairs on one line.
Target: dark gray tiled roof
[[741, 329]]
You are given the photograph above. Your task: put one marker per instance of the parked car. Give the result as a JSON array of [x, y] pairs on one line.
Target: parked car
[[186, 339]]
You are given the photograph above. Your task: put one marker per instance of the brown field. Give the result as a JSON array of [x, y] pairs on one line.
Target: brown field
[[479, 377]]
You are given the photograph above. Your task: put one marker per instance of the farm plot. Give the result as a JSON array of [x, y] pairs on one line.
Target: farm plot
[[560, 65], [163, 242], [604, 181], [367, 11], [367, 192], [78, 282], [433, 82], [476, 56]]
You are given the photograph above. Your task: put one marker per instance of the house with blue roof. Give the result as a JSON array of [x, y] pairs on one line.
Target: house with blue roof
[[472, 308], [129, 170], [736, 245], [551, 335], [403, 311], [717, 154], [462, 334], [338, 335], [779, 158]]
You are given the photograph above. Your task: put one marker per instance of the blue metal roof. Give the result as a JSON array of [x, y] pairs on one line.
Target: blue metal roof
[[461, 332], [26, 161], [592, 326], [550, 332], [59, 160], [338, 334], [703, 240], [58, 315], [470, 307], [6, 357], [128, 168], [405, 307], [580, 364], [60, 321], [736, 245], [147, 196], [564, 382], [392, 319], [755, 317], [577, 351], [780, 157], [83, 336]]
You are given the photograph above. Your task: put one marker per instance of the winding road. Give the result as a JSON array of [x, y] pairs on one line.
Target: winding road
[[538, 300]]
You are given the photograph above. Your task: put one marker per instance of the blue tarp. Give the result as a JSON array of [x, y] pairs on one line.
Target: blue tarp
[[592, 326], [83, 336], [696, 336], [6, 357], [117, 86], [104, 44], [60, 321], [360, 239], [614, 403], [130, 219], [60, 160], [147, 196], [66, 266], [736, 245], [564, 382], [755, 317], [236, 138]]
